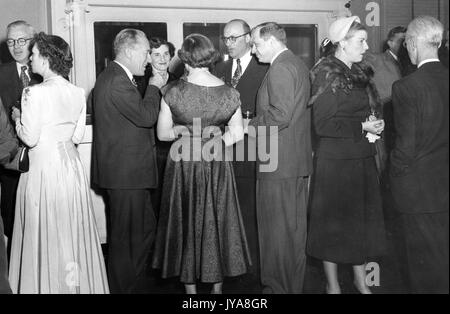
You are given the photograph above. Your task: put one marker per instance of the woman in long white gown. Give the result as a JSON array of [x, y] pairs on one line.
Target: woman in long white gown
[[55, 244]]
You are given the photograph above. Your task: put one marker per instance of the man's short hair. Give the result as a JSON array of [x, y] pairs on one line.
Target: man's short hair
[[271, 29], [426, 29], [395, 31], [127, 38], [244, 24], [19, 23]]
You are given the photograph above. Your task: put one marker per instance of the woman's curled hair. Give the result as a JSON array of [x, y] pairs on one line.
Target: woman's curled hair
[[198, 51], [56, 50]]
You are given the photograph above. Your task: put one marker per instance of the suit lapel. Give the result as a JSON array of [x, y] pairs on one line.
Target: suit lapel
[[15, 81], [228, 69], [247, 70]]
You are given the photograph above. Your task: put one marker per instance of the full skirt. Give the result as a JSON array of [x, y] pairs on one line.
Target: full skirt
[[200, 233], [55, 244]]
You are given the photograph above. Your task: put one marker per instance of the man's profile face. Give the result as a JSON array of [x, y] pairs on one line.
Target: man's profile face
[[20, 53], [396, 43], [140, 56], [261, 48]]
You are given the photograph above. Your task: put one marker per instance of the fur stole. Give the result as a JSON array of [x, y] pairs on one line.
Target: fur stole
[[333, 73]]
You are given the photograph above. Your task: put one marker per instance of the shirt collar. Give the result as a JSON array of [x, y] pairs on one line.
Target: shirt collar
[[245, 61], [278, 53], [393, 55], [427, 61], [129, 74]]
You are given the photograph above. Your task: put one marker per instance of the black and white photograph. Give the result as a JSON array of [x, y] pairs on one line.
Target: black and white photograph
[[235, 150]]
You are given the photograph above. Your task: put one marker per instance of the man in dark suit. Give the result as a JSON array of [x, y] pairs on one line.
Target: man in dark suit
[[124, 161], [8, 149], [387, 70], [14, 77], [245, 73], [282, 178], [419, 161]]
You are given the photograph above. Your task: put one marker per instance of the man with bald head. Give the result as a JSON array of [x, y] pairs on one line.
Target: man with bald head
[[419, 171], [243, 71], [124, 158], [14, 77]]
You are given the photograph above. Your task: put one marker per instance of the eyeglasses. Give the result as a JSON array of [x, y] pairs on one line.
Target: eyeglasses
[[19, 41], [232, 39]]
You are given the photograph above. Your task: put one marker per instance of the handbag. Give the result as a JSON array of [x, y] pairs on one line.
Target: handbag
[[21, 161]]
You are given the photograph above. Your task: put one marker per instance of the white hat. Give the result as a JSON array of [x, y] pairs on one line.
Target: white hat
[[339, 28]]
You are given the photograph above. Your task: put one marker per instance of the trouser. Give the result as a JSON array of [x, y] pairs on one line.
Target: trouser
[[9, 182], [131, 234], [4, 284], [281, 212], [426, 239]]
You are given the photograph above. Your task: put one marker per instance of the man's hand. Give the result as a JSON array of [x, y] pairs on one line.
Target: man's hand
[[246, 122], [159, 79]]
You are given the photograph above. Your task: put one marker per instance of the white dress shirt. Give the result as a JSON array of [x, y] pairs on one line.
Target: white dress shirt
[[19, 69], [427, 61], [130, 75], [245, 61]]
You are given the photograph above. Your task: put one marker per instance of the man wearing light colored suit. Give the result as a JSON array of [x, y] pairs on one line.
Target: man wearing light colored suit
[[245, 73], [282, 191]]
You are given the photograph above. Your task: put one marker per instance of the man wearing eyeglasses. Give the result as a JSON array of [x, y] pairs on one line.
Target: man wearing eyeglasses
[[14, 77], [245, 73]]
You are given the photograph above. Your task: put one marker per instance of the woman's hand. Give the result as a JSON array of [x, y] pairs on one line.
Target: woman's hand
[[15, 114], [375, 127]]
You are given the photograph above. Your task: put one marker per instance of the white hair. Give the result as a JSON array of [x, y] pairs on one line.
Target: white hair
[[427, 30], [127, 38], [20, 23]]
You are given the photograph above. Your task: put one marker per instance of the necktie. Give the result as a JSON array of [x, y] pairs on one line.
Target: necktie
[[237, 74], [24, 77]]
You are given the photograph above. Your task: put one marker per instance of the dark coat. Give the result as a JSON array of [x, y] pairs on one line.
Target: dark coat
[[8, 148], [10, 85], [282, 101], [249, 82], [124, 140], [346, 99], [419, 160]]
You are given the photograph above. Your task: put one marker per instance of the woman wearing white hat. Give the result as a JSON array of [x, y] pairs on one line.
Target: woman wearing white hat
[[346, 219]]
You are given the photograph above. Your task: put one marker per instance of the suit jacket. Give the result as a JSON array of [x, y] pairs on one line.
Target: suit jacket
[[249, 82], [419, 160], [8, 140], [124, 141], [10, 85], [247, 87], [282, 102], [386, 73]]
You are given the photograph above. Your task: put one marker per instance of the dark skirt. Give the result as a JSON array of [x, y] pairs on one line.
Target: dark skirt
[[346, 217], [200, 233]]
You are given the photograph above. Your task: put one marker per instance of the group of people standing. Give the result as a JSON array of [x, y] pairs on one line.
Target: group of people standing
[[212, 218]]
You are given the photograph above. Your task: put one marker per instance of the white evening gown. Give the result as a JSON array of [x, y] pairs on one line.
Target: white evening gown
[[55, 243]]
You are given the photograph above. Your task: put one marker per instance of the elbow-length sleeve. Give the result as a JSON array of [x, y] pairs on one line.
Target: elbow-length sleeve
[[80, 128], [29, 127]]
